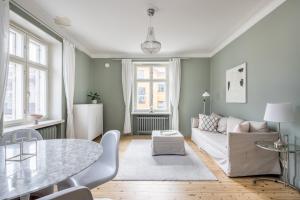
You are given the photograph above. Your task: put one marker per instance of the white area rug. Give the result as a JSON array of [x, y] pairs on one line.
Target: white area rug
[[138, 164]]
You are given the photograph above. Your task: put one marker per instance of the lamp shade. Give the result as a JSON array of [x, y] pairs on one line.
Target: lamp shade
[[205, 94], [279, 112]]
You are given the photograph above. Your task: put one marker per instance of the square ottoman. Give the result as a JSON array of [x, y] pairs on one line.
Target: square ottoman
[[164, 143]]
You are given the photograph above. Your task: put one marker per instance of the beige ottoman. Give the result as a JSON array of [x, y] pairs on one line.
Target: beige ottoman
[[165, 144]]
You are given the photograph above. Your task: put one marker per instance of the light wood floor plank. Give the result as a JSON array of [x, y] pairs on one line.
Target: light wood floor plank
[[224, 189]]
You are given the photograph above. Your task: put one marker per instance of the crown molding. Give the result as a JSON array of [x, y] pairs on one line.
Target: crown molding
[[189, 55], [48, 22], [246, 26], [241, 30]]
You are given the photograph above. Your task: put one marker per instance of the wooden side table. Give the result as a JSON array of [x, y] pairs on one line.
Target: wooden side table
[[284, 160]]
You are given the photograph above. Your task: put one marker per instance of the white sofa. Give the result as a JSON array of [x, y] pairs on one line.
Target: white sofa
[[236, 153]]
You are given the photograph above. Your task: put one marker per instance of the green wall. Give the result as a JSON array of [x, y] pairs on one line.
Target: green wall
[[108, 81], [271, 49], [83, 77], [194, 81]]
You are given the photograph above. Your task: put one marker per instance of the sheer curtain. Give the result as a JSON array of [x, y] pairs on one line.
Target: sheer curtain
[[127, 82], [69, 81], [175, 78], [4, 39]]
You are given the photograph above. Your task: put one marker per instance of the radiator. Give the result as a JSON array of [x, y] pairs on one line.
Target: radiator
[[146, 123], [48, 132]]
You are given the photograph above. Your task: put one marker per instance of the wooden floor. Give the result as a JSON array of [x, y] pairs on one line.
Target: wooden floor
[[225, 188]]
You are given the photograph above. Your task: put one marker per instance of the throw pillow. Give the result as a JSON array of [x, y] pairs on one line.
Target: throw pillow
[[216, 115], [258, 126], [208, 123], [232, 122], [242, 127], [222, 125]]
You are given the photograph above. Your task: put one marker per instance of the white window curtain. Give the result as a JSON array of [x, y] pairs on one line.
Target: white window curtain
[[175, 78], [4, 39], [127, 82], [69, 81]]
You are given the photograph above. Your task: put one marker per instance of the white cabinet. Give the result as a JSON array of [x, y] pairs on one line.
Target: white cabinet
[[88, 121]]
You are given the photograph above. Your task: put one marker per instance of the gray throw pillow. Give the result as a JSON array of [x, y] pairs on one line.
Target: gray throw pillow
[[208, 123]]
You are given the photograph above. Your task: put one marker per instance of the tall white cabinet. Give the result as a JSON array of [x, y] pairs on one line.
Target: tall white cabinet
[[88, 120]]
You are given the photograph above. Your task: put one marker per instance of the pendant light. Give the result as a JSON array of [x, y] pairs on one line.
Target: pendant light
[[151, 45]]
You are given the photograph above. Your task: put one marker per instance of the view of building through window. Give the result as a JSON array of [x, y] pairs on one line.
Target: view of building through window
[[26, 91], [151, 87]]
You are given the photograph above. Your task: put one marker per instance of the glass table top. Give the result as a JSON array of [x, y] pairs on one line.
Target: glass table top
[[292, 148]]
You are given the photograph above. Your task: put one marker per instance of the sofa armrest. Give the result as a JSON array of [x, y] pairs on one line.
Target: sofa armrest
[[245, 158], [195, 122]]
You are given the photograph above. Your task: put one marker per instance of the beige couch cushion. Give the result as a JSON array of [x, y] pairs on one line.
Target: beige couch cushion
[[232, 122], [258, 126], [242, 127]]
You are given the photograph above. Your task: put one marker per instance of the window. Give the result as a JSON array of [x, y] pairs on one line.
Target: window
[[26, 91], [151, 87]]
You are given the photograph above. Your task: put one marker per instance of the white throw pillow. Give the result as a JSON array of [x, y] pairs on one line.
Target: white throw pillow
[[222, 125], [232, 122], [242, 127], [258, 126], [208, 123]]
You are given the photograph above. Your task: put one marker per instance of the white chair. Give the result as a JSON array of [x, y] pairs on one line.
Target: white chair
[[74, 193], [25, 134], [103, 170]]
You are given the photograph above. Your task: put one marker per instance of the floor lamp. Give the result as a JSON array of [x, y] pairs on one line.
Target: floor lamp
[[205, 96]]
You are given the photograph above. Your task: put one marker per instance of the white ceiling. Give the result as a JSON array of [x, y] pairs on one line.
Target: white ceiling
[[116, 28]]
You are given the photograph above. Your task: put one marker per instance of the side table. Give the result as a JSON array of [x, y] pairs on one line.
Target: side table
[[284, 152]]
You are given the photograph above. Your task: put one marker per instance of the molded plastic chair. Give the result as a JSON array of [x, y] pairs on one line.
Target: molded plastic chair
[[103, 170], [74, 193], [16, 136]]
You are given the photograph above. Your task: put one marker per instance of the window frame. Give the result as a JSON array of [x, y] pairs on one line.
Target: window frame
[[151, 65], [26, 66]]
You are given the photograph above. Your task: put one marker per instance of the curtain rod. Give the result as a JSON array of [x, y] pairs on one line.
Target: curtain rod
[[14, 6]]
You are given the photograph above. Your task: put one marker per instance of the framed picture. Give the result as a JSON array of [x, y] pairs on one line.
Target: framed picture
[[236, 84]]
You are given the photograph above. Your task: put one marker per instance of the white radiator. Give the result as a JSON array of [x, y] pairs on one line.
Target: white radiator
[[146, 123], [48, 132]]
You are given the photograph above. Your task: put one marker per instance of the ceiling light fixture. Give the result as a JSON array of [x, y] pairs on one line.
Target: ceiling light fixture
[[151, 45], [62, 21]]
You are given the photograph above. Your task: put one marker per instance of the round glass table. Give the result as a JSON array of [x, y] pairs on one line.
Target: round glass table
[[55, 161], [284, 151]]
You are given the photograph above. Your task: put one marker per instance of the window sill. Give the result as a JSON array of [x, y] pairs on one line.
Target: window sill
[[150, 113], [41, 124]]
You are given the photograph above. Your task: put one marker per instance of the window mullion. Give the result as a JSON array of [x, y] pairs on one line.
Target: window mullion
[[151, 88], [27, 94]]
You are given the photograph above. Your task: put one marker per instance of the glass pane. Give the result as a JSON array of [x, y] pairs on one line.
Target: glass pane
[[37, 91], [143, 73], [159, 73], [37, 52], [13, 104], [143, 96], [16, 43], [160, 96]]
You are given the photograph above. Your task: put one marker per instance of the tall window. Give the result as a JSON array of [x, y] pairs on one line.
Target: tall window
[[151, 87], [26, 91]]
